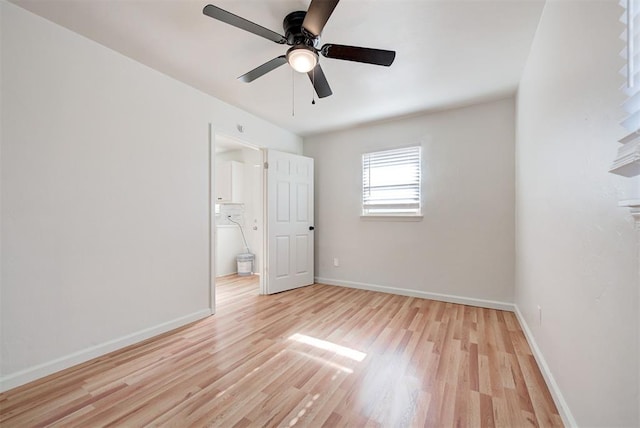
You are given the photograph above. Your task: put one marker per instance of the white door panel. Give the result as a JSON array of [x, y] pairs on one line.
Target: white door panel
[[289, 221]]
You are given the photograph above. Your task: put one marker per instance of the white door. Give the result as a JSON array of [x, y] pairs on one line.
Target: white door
[[289, 221]]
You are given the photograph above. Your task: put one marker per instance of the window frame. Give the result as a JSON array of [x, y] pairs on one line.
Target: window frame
[[397, 215], [627, 161]]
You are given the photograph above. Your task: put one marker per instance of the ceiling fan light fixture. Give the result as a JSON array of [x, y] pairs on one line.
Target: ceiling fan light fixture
[[302, 58]]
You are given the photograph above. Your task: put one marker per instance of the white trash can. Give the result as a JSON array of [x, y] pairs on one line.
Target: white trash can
[[245, 264]]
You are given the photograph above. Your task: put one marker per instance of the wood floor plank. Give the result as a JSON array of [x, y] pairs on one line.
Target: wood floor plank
[[317, 356]]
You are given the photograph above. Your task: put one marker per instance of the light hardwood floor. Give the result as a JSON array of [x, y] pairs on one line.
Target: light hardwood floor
[[317, 356]]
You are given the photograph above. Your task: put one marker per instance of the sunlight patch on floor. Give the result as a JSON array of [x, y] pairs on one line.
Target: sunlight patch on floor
[[303, 411], [251, 373], [326, 362], [329, 346]]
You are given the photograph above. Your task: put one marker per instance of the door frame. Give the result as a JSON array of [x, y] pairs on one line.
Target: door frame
[[264, 268]]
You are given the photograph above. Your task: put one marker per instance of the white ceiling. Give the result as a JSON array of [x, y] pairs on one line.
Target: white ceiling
[[449, 52]]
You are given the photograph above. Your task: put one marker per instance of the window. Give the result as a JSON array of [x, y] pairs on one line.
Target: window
[[391, 182], [627, 162]]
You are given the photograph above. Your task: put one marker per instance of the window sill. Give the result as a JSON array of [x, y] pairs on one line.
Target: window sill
[[392, 217], [627, 162], [634, 207]]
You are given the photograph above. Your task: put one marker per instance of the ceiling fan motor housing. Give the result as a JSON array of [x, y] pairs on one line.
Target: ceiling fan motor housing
[[293, 31]]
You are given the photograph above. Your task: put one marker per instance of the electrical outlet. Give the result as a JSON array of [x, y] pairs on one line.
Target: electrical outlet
[[336, 262], [540, 314]]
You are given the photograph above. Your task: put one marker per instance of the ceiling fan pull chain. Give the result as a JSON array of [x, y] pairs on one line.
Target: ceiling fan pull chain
[[293, 94], [313, 86]]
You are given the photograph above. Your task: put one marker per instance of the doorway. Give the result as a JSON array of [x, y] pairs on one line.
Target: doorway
[[237, 210], [248, 186]]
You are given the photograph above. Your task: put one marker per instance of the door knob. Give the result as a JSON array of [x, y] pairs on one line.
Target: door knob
[[311, 227]]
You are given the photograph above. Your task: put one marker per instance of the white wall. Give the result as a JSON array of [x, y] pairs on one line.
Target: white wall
[[228, 245], [576, 250], [463, 247], [105, 178]]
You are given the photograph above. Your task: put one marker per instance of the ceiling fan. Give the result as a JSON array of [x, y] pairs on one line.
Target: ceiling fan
[[302, 32]]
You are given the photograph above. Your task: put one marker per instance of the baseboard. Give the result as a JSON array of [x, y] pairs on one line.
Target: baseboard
[[33, 373], [565, 413], [234, 274], [470, 301], [221, 275]]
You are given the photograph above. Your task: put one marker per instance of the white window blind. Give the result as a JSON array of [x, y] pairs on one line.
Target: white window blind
[[627, 162], [631, 71], [391, 182]]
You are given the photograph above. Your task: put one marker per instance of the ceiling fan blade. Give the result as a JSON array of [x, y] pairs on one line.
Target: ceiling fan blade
[[318, 15], [263, 69], [358, 54], [231, 19], [319, 82]]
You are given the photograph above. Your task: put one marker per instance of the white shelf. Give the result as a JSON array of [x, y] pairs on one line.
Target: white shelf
[[627, 162], [634, 207], [630, 203]]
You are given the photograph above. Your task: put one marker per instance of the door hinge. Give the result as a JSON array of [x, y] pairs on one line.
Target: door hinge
[[266, 165]]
